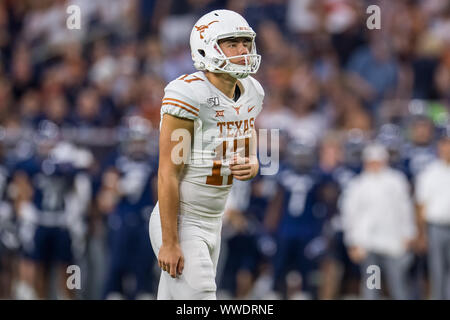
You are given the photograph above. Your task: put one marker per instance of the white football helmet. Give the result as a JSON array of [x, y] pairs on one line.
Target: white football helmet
[[205, 50]]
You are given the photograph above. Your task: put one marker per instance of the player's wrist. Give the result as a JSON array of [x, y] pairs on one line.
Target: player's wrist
[[171, 243]]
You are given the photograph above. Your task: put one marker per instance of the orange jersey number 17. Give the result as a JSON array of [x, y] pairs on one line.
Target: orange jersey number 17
[[216, 178]]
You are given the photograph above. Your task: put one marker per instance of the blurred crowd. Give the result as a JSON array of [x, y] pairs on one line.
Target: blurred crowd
[[79, 120]]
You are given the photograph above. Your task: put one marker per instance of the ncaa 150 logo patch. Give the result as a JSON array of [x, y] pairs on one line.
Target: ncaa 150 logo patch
[[212, 102]]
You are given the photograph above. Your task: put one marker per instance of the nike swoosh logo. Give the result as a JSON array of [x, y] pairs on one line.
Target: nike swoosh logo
[[250, 109]]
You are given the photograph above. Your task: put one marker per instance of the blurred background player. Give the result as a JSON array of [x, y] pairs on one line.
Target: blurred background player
[[48, 205], [338, 272], [379, 224], [420, 150], [127, 196], [432, 190], [295, 224], [9, 241], [248, 247]]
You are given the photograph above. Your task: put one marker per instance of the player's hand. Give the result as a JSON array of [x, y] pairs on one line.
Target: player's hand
[[237, 220], [171, 259], [242, 168], [357, 254], [418, 244], [422, 244]]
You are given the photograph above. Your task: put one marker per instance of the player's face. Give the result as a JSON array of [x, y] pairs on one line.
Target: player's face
[[422, 132], [235, 47], [330, 153], [44, 148], [374, 166]]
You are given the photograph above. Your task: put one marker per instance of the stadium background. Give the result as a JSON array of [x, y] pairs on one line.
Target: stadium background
[[327, 77]]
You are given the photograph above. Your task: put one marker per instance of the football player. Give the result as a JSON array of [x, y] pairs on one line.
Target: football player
[[378, 223], [9, 243], [43, 185], [213, 113], [434, 217], [293, 220], [420, 150], [417, 154], [249, 247], [127, 196], [333, 175]]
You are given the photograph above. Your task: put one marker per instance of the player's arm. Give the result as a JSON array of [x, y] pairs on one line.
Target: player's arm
[[421, 194], [246, 168], [170, 257], [109, 193], [23, 190], [421, 243], [273, 211], [236, 219]]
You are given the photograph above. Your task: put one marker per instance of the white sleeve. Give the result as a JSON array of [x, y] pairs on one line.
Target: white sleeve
[[179, 101], [422, 187]]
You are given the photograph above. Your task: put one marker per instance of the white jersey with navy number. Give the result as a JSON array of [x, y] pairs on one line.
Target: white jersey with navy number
[[222, 128]]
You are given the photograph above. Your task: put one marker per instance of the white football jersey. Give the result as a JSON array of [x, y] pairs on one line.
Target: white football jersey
[[222, 128]]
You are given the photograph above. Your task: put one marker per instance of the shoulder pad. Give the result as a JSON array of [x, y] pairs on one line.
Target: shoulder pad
[[181, 97], [187, 84], [258, 87]]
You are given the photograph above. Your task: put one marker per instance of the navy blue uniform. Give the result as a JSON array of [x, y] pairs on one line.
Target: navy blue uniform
[[329, 186], [3, 181], [51, 182], [8, 225], [415, 158], [309, 209], [300, 223], [130, 250]]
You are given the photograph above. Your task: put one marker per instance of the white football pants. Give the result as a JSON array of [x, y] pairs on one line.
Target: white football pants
[[200, 243]]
